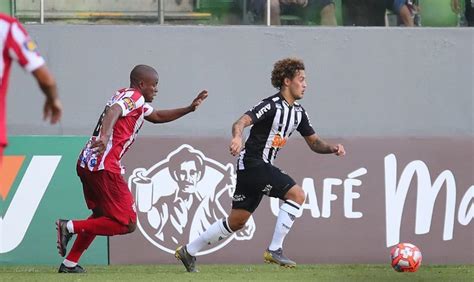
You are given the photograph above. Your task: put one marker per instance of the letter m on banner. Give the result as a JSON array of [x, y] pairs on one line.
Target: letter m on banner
[[18, 214]]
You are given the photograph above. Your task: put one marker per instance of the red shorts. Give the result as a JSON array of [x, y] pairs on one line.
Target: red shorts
[[109, 193]]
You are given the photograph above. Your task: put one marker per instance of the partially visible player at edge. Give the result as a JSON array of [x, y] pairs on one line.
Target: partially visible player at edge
[[274, 119], [99, 165], [17, 45]]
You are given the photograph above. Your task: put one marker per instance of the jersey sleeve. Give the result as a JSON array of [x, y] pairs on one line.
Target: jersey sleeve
[[305, 128], [147, 109], [23, 49], [261, 111], [130, 103]]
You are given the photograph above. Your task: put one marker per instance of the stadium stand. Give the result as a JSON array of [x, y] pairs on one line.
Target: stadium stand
[[108, 10], [215, 12]]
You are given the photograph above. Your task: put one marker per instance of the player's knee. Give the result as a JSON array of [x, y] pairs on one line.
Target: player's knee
[[237, 223], [300, 196], [296, 194], [131, 227]]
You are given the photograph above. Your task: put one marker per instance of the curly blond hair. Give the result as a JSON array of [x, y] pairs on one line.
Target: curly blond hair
[[285, 68]]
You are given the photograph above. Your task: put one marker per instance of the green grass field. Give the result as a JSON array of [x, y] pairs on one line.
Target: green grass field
[[359, 272]]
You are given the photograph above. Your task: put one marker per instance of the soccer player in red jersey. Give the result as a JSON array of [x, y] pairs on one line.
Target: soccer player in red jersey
[[99, 165], [16, 44]]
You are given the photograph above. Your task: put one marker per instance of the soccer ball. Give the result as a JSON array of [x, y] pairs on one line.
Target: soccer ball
[[406, 257]]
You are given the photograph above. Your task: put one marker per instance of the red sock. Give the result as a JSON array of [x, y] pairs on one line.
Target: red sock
[[99, 226], [82, 242]]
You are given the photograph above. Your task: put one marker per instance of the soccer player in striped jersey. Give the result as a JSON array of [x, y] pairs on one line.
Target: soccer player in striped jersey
[[273, 120], [99, 165], [16, 45]]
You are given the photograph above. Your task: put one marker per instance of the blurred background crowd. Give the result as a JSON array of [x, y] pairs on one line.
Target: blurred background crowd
[[430, 13]]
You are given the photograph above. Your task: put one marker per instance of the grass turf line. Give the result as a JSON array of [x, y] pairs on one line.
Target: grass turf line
[[257, 272]]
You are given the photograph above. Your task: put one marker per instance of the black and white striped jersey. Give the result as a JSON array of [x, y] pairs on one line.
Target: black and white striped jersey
[[274, 120]]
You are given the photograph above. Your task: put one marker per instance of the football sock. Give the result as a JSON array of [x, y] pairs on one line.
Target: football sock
[[69, 263], [69, 226], [218, 231], [99, 226], [289, 210], [82, 242]]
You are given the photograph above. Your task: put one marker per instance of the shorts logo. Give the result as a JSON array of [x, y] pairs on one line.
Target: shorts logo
[[267, 189], [238, 198], [88, 157], [179, 197], [129, 104]]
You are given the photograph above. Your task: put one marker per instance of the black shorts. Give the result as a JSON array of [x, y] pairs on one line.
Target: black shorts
[[254, 182]]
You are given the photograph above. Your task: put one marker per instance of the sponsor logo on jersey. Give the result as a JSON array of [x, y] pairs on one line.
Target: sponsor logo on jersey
[[278, 141], [129, 104], [30, 45], [263, 110]]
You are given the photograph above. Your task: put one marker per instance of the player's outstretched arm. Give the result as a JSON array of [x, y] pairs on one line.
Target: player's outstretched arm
[[237, 129], [320, 146], [162, 116], [52, 109]]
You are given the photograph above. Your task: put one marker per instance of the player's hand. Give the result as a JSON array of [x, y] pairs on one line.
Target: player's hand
[[52, 110], [98, 145], [198, 100], [235, 146], [338, 150]]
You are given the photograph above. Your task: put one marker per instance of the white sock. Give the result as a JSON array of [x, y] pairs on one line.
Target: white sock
[[218, 231], [288, 212], [70, 227], [69, 263]]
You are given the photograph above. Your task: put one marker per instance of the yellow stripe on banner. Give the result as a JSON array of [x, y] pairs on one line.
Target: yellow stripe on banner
[[99, 14]]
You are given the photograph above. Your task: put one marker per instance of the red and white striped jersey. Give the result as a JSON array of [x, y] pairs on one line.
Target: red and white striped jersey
[[15, 44], [125, 130]]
